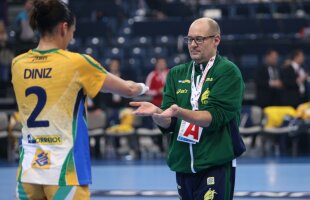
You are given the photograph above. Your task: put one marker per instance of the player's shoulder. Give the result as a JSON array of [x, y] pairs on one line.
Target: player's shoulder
[[20, 57], [84, 60], [78, 58], [74, 56]]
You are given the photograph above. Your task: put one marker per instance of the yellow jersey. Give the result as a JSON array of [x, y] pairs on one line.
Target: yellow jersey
[[51, 88]]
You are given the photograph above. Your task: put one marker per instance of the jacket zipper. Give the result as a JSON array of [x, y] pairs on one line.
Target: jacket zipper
[[192, 157]]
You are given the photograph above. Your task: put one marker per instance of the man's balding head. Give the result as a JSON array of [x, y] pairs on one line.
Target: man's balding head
[[208, 25]]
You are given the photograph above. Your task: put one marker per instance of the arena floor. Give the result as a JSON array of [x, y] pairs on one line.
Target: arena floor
[[257, 179]]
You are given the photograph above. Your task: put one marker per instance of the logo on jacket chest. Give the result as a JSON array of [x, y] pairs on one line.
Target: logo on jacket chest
[[205, 96], [182, 91]]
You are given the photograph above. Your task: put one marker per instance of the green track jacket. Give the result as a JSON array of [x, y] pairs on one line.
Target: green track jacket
[[221, 95]]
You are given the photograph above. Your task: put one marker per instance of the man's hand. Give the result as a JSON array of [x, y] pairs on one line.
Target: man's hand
[[149, 109], [164, 119], [145, 108], [172, 111], [161, 120]]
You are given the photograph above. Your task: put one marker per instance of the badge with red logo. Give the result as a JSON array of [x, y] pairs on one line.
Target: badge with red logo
[[189, 133]]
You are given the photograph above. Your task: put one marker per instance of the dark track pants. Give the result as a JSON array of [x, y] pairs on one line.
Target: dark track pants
[[216, 183]]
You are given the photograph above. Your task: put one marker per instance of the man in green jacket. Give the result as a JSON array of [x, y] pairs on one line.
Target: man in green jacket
[[201, 110]]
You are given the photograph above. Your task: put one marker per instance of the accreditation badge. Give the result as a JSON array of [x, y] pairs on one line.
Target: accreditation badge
[[189, 133]]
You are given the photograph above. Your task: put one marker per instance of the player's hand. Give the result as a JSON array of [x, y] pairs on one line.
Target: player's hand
[[172, 111], [144, 108]]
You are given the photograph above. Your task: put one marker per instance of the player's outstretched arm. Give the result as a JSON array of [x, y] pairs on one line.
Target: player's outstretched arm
[[116, 85], [145, 108]]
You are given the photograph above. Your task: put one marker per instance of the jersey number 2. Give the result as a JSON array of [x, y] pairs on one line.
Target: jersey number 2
[[41, 94]]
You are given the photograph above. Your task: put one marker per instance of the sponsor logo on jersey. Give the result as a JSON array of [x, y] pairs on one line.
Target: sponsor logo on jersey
[[42, 159], [209, 79], [31, 140], [184, 81], [209, 194], [39, 58], [45, 139], [182, 91], [210, 181], [205, 96]]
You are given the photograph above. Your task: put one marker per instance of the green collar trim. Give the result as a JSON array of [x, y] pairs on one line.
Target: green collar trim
[[46, 51]]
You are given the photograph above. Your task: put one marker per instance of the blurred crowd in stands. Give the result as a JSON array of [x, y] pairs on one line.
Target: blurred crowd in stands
[[142, 39]]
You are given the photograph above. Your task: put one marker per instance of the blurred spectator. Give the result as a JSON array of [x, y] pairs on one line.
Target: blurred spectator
[[110, 13], [115, 67], [66, 1], [3, 11], [25, 36], [294, 77], [6, 56], [305, 33], [267, 81], [156, 81], [157, 8], [112, 103], [25, 32], [92, 106]]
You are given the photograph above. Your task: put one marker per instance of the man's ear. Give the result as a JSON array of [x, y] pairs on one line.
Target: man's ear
[[217, 39]]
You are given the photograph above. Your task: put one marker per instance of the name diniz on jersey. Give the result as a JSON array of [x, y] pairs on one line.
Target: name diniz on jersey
[[37, 73]]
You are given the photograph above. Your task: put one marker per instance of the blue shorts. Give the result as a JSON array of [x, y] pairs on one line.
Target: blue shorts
[[216, 183]]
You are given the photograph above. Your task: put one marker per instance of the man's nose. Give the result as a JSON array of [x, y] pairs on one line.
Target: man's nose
[[192, 43]]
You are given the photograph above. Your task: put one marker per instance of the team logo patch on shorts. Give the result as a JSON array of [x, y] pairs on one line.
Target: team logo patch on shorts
[[210, 181], [209, 195], [41, 159]]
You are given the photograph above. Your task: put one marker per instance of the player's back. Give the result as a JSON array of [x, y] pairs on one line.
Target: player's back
[[50, 88], [45, 85]]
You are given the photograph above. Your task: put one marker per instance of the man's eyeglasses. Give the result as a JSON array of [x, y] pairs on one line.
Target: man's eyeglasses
[[197, 39]]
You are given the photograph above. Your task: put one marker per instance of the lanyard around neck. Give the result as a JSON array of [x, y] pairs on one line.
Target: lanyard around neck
[[196, 90]]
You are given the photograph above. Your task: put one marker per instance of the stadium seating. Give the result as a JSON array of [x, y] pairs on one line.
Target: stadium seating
[[4, 122], [109, 29], [96, 124], [277, 128], [251, 125], [247, 29]]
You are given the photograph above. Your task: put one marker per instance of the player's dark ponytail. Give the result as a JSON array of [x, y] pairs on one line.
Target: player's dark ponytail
[[46, 14]]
